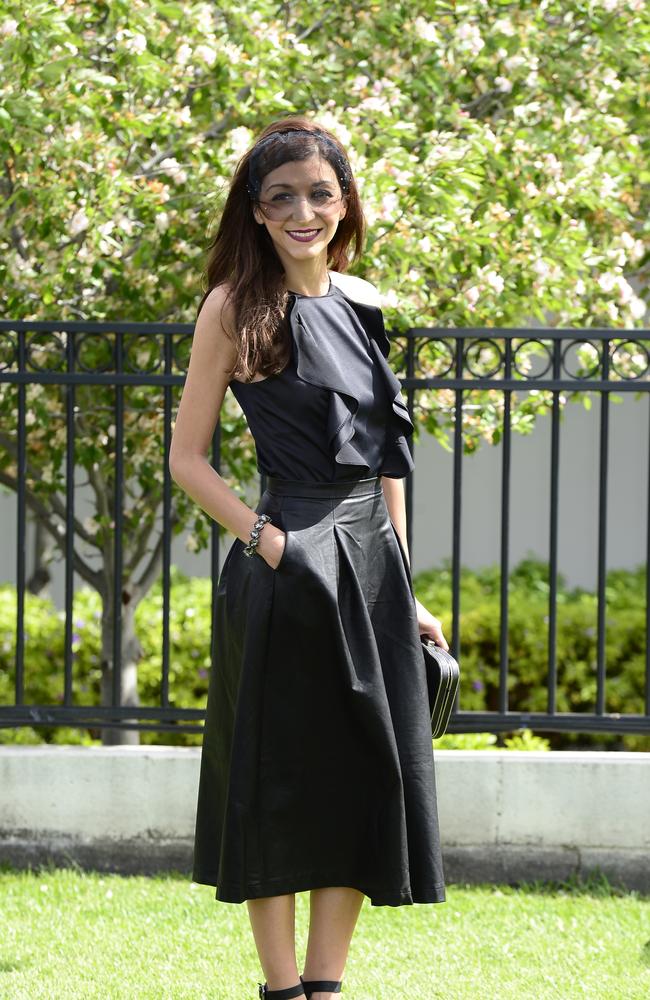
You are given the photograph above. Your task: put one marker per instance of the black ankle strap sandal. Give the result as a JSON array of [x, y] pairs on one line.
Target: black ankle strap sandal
[[321, 986], [287, 994]]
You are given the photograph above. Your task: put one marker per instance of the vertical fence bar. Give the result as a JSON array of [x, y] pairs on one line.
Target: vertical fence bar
[[551, 682], [457, 510], [215, 545], [69, 392], [647, 583], [410, 477], [602, 530], [118, 527], [168, 355], [505, 532], [21, 466]]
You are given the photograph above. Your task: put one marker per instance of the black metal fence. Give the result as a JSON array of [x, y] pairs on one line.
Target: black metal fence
[[621, 363]]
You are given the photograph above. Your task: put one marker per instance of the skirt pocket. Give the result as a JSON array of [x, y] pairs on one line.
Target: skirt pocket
[[280, 565]]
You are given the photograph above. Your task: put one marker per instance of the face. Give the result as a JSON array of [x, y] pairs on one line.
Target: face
[[301, 184]]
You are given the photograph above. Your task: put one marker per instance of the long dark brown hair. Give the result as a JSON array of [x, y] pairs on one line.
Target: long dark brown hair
[[242, 255]]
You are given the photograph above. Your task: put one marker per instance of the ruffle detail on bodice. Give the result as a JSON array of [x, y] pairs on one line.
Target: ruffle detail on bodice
[[341, 345]]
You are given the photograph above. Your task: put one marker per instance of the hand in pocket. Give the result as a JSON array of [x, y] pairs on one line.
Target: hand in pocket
[[274, 550]]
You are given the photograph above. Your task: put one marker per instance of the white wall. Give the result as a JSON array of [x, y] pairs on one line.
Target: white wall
[[504, 815], [529, 505], [530, 495]]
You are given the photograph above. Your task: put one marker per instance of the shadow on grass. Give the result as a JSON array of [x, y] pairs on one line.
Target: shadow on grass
[[593, 883]]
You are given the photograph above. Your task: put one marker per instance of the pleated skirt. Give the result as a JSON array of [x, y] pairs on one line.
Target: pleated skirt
[[317, 764]]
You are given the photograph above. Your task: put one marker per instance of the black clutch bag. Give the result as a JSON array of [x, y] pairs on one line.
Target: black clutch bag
[[443, 678]]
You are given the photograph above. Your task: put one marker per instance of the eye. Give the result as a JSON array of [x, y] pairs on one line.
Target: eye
[[322, 191], [279, 197]]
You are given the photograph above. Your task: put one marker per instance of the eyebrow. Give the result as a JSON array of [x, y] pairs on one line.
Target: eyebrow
[[322, 181]]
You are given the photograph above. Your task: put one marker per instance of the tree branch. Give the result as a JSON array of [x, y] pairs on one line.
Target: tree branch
[[94, 578]]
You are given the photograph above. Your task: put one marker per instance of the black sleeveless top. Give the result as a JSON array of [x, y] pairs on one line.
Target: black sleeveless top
[[336, 410]]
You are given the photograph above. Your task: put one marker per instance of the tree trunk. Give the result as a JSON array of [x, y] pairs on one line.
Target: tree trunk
[[40, 578], [131, 653]]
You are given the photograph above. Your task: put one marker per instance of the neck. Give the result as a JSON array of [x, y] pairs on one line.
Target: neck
[[312, 278]]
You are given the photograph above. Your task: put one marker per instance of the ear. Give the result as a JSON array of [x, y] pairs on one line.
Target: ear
[[257, 215], [344, 208]]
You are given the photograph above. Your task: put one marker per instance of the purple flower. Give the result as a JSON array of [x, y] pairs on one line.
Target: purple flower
[[477, 685], [203, 672]]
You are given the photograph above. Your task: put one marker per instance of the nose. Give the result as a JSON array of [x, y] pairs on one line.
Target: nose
[[296, 207]]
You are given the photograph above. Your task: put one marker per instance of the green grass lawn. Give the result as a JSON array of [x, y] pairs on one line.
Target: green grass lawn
[[69, 934]]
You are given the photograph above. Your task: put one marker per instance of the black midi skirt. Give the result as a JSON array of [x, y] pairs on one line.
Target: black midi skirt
[[317, 762]]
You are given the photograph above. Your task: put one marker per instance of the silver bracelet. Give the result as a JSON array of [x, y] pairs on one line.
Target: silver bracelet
[[255, 534]]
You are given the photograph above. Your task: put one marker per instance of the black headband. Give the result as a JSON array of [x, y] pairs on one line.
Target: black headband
[[343, 171]]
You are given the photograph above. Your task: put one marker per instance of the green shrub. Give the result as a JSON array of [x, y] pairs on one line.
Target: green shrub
[[577, 609], [479, 654]]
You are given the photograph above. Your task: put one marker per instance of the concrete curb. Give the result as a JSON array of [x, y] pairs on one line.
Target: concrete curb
[[505, 816]]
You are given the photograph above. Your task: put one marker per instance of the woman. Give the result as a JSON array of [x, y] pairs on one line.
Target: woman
[[317, 765]]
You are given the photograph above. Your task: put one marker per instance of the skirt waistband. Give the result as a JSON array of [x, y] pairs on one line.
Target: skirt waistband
[[342, 488]]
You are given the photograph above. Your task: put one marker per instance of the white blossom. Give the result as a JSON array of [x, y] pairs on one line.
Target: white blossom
[[184, 54], [78, 222], [637, 307], [161, 222], [503, 84], [426, 30], [553, 165], [514, 62], [205, 18], [240, 139], [389, 205], [610, 79], [469, 38], [137, 44], [522, 111], [171, 166], [495, 281], [607, 281], [608, 185], [625, 290], [73, 131], [207, 54], [390, 299], [592, 156]]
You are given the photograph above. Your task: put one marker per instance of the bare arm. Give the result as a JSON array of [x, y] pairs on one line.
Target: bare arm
[[213, 352]]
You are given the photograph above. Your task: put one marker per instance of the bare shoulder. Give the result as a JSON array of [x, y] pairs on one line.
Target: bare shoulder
[[219, 312], [357, 288], [212, 354]]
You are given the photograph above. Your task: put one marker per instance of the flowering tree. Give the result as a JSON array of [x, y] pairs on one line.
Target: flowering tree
[[499, 150]]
